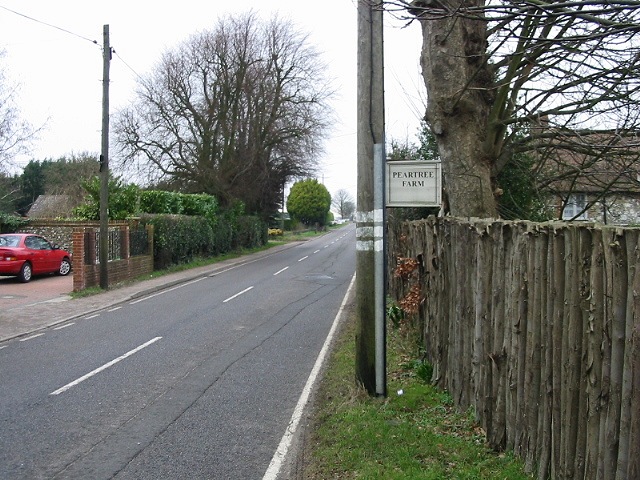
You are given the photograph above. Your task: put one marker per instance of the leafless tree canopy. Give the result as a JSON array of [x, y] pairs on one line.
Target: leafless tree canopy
[[233, 112], [501, 67], [15, 133], [343, 202]]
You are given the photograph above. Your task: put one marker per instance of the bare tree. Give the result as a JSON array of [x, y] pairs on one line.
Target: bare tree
[[15, 133], [494, 69], [343, 202], [233, 112]]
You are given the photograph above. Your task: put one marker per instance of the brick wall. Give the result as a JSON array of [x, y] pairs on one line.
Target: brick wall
[[59, 231], [118, 271], [125, 268]]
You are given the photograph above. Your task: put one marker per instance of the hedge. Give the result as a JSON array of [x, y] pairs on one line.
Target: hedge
[[181, 238]]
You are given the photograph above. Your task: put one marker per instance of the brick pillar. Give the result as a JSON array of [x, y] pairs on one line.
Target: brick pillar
[[125, 248], [77, 238]]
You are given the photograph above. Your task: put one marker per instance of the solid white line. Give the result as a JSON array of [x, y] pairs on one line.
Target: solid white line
[[104, 367], [303, 258], [280, 271], [285, 443], [237, 294], [64, 326], [32, 336]]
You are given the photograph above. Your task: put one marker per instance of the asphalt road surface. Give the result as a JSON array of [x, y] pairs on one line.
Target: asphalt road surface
[[198, 381]]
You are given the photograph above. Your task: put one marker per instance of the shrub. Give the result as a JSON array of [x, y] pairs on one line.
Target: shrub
[[309, 202], [251, 232], [179, 238], [11, 223], [200, 204]]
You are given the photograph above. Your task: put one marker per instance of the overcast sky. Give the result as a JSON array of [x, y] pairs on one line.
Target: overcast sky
[[59, 69]]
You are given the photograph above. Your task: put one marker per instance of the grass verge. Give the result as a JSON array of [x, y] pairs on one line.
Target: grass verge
[[415, 433], [202, 262]]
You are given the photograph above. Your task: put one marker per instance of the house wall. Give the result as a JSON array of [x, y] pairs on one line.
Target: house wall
[[620, 210]]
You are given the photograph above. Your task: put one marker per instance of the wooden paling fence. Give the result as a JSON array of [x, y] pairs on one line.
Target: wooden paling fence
[[534, 326]]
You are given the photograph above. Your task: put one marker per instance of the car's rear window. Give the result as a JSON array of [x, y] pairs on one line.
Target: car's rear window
[[9, 241]]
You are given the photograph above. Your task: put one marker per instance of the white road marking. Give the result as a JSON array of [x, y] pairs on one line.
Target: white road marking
[[285, 443], [4, 346], [316, 251], [92, 316], [64, 326], [32, 336], [237, 294], [233, 267], [280, 271], [104, 367], [304, 258], [114, 309], [166, 290]]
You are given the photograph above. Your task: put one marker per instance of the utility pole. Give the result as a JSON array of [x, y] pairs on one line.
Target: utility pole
[[370, 340], [104, 164]]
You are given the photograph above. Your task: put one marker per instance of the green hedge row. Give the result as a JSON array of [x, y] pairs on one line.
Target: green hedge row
[[181, 238], [130, 200]]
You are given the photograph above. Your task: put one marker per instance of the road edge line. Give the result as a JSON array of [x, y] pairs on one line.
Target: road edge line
[[277, 461]]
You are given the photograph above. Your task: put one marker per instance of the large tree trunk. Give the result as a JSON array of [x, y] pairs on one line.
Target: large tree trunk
[[459, 93]]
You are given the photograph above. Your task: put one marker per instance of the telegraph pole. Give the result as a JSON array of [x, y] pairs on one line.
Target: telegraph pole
[[104, 164], [370, 340]]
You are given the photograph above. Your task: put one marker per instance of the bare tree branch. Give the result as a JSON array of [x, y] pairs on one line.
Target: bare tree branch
[[494, 69], [233, 112]]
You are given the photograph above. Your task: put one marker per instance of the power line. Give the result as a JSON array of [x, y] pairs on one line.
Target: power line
[[127, 65], [95, 42]]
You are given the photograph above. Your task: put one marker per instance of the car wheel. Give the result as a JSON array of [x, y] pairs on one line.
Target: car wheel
[[25, 272], [65, 267]]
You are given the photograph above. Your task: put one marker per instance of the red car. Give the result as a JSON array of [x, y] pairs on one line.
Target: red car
[[24, 255]]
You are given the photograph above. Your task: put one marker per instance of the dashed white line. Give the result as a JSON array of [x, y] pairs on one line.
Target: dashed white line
[[304, 258], [64, 326], [31, 337], [92, 316], [237, 294], [103, 367], [316, 251], [280, 271], [114, 309], [166, 290]]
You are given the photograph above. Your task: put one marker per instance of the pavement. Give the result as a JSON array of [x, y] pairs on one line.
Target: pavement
[[27, 319]]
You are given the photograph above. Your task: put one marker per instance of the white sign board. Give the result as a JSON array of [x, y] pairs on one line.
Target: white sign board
[[413, 184]]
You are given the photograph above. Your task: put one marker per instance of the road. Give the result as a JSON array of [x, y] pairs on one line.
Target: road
[[196, 381]]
